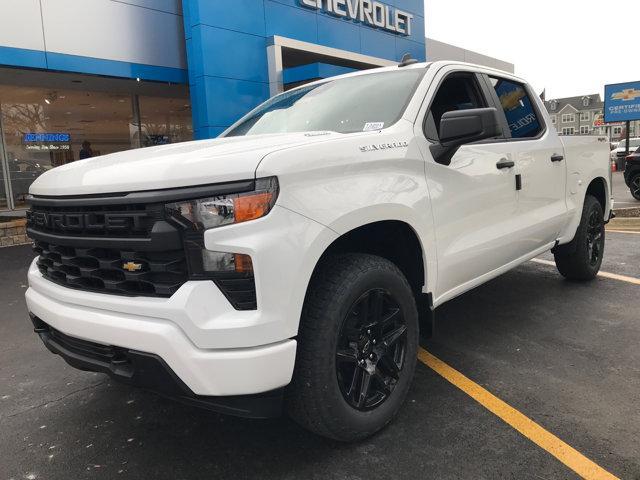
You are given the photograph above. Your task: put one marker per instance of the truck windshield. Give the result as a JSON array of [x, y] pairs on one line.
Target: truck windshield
[[344, 105]]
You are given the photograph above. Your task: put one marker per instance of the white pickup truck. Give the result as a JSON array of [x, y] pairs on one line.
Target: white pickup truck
[[291, 263]]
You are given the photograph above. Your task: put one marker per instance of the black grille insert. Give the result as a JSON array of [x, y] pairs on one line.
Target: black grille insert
[[113, 271]]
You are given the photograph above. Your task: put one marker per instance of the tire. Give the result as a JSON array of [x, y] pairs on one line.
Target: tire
[[581, 258], [335, 348], [634, 186]]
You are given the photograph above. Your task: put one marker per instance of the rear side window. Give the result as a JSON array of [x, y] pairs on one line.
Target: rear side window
[[518, 108]]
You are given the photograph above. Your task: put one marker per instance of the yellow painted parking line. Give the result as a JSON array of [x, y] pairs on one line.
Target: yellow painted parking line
[[612, 276], [622, 231], [523, 424]]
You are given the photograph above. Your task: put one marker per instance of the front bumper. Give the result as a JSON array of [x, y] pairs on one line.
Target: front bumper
[[209, 372], [151, 372]]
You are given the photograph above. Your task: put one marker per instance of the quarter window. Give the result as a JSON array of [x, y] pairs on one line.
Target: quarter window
[[518, 108]]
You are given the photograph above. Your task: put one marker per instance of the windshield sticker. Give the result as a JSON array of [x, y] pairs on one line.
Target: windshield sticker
[[369, 127]]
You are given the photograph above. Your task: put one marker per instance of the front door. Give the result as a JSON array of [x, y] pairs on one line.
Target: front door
[[474, 201]]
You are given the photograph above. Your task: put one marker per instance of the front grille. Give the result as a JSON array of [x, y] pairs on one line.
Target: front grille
[[103, 270], [126, 244]]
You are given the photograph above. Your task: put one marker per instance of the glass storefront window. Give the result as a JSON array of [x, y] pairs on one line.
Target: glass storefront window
[[47, 127], [164, 120]]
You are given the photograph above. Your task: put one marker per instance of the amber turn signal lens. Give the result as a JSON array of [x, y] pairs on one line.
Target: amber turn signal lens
[[243, 263], [250, 207]]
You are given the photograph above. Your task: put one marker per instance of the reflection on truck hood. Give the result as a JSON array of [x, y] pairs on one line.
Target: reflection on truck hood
[[169, 166]]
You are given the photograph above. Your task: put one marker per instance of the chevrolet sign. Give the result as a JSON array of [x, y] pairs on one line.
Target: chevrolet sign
[[370, 12]]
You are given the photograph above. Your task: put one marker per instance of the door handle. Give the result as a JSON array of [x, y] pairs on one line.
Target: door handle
[[504, 163], [556, 158]]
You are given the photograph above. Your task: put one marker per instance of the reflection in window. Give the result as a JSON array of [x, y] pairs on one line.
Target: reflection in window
[[164, 120], [518, 108], [45, 128]]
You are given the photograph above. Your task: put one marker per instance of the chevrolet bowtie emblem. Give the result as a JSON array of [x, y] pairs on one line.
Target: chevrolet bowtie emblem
[[132, 266]]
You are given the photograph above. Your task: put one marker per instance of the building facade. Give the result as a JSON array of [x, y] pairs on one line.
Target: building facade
[[583, 115], [86, 78], [437, 50]]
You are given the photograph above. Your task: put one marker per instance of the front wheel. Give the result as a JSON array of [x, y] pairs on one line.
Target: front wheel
[[357, 348], [582, 257], [634, 186]]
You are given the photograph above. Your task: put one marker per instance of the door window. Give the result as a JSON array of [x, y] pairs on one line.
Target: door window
[[521, 116], [459, 91]]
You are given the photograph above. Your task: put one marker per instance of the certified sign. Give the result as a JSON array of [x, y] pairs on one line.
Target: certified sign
[[622, 102], [370, 12]]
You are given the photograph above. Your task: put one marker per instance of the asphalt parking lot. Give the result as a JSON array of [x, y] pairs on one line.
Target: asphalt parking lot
[[565, 355]]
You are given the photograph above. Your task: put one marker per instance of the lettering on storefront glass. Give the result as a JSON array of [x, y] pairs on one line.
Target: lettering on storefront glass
[[46, 141], [370, 12]]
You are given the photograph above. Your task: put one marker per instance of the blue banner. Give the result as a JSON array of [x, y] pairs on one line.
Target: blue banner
[[622, 102]]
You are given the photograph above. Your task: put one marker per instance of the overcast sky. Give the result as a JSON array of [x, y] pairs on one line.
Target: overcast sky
[[569, 47]]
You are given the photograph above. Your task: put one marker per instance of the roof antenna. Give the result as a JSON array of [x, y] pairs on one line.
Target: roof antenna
[[407, 60]]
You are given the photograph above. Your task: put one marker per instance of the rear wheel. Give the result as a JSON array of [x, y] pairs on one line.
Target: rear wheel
[[357, 348], [581, 258], [634, 186]]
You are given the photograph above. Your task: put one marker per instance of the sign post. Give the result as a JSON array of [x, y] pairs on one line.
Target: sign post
[[622, 104]]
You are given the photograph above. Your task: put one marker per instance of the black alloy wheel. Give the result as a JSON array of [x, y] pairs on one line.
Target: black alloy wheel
[[371, 350], [357, 347], [634, 186], [595, 238], [581, 258]]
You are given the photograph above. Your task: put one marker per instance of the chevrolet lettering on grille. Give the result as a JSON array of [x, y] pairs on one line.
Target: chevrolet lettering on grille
[[90, 222]]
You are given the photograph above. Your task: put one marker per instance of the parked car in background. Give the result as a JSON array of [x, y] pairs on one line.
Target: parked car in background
[[632, 173], [618, 155]]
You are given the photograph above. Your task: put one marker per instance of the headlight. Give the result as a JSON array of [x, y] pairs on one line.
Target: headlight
[[212, 212], [232, 272]]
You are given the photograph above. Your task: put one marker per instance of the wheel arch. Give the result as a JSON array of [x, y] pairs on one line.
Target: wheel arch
[[395, 240], [598, 189]]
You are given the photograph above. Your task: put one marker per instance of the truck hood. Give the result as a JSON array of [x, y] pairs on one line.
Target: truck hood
[[170, 166]]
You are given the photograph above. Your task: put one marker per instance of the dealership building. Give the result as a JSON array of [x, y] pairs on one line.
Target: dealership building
[[81, 79]]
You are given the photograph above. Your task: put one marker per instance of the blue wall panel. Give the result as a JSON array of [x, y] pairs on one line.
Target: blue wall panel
[[338, 33], [291, 22], [20, 57], [227, 56], [232, 54], [239, 15]]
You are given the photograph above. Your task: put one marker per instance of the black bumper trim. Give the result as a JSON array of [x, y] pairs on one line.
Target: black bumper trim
[[150, 372]]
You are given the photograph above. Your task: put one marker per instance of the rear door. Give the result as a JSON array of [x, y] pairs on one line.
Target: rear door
[[474, 202], [539, 156]]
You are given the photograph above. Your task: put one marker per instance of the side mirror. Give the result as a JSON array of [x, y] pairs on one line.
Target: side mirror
[[461, 127]]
